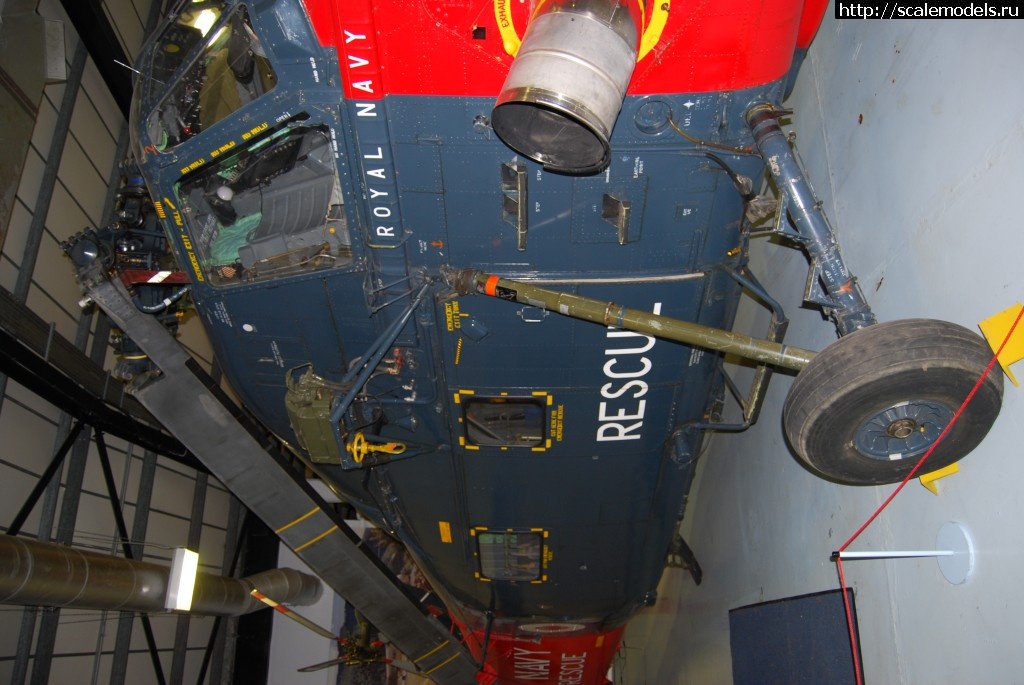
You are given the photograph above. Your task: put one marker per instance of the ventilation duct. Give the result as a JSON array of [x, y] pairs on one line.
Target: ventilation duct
[[46, 574], [565, 89]]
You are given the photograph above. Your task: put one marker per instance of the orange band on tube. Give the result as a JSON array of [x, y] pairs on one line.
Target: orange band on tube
[[490, 288]]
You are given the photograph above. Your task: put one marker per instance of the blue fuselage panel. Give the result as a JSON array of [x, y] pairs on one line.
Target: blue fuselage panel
[[521, 421]]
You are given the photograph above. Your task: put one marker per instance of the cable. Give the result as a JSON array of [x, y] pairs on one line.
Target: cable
[[717, 146], [858, 677], [746, 193], [163, 304]]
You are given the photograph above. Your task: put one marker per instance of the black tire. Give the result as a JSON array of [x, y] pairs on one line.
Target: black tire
[[867, 407]]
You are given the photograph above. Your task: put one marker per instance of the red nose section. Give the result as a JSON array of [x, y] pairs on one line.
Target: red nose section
[[385, 47], [548, 658]]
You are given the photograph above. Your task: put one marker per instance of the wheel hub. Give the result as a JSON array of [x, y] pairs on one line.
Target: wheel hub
[[902, 431]]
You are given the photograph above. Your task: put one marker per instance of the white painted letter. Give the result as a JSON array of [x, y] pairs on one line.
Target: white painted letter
[[621, 432], [635, 374]]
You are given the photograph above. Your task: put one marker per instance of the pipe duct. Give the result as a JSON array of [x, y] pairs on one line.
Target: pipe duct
[[46, 574], [566, 86]]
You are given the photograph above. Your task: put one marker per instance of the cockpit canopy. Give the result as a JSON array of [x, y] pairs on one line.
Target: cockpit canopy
[[206, 64]]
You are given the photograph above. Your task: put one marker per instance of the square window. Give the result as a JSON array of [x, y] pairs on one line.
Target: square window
[[510, 555], [504, 421]]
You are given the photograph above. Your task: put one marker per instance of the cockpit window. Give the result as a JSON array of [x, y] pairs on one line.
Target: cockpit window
[[504, 421], [270, 209], [228, 72], [510, 555], [191, 24]]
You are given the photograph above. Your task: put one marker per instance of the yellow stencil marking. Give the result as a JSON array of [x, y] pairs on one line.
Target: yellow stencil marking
[[435, 649], [442, 664], [317, 539], [653, 30], [298, 520], [509, 36], [511, 41]]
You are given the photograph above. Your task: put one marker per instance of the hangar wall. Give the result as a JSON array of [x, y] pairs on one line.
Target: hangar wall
[[912, 132], [165, 503]]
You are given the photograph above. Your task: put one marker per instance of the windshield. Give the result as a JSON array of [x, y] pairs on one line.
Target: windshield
[[270, 209], [192, 23], [230, 70]]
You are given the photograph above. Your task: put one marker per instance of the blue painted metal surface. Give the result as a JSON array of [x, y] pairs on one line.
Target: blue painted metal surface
[[308, 221]]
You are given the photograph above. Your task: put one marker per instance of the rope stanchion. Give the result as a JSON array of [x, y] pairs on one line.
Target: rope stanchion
[[917, 467]]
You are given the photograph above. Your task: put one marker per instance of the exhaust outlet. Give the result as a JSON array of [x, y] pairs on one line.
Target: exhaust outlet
[[566, 86]]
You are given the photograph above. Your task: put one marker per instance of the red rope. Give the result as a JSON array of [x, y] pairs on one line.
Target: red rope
[[917, 467], [849, 623]]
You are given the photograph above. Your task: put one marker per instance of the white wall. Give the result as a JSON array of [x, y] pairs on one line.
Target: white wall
[[293, 646], [28, 425], [912, 132]]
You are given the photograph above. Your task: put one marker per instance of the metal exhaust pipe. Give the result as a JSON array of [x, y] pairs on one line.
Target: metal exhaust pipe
[[47, 574], [565, 89]]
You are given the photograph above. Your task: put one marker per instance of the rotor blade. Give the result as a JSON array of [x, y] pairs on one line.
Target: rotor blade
[[323, 664]]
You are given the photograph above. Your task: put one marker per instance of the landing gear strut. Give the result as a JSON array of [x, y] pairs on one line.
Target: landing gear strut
[[865, 410]]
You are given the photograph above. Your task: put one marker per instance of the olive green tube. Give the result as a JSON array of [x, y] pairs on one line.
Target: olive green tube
[[48, 574], [611, 314]]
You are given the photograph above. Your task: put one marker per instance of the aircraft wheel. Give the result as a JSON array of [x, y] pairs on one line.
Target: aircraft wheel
[[872, 403]]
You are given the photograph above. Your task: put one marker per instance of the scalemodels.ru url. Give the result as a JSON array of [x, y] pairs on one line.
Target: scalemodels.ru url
[[924, 10]]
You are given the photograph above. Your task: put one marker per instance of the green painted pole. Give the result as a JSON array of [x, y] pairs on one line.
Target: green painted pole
[[611, 314]]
